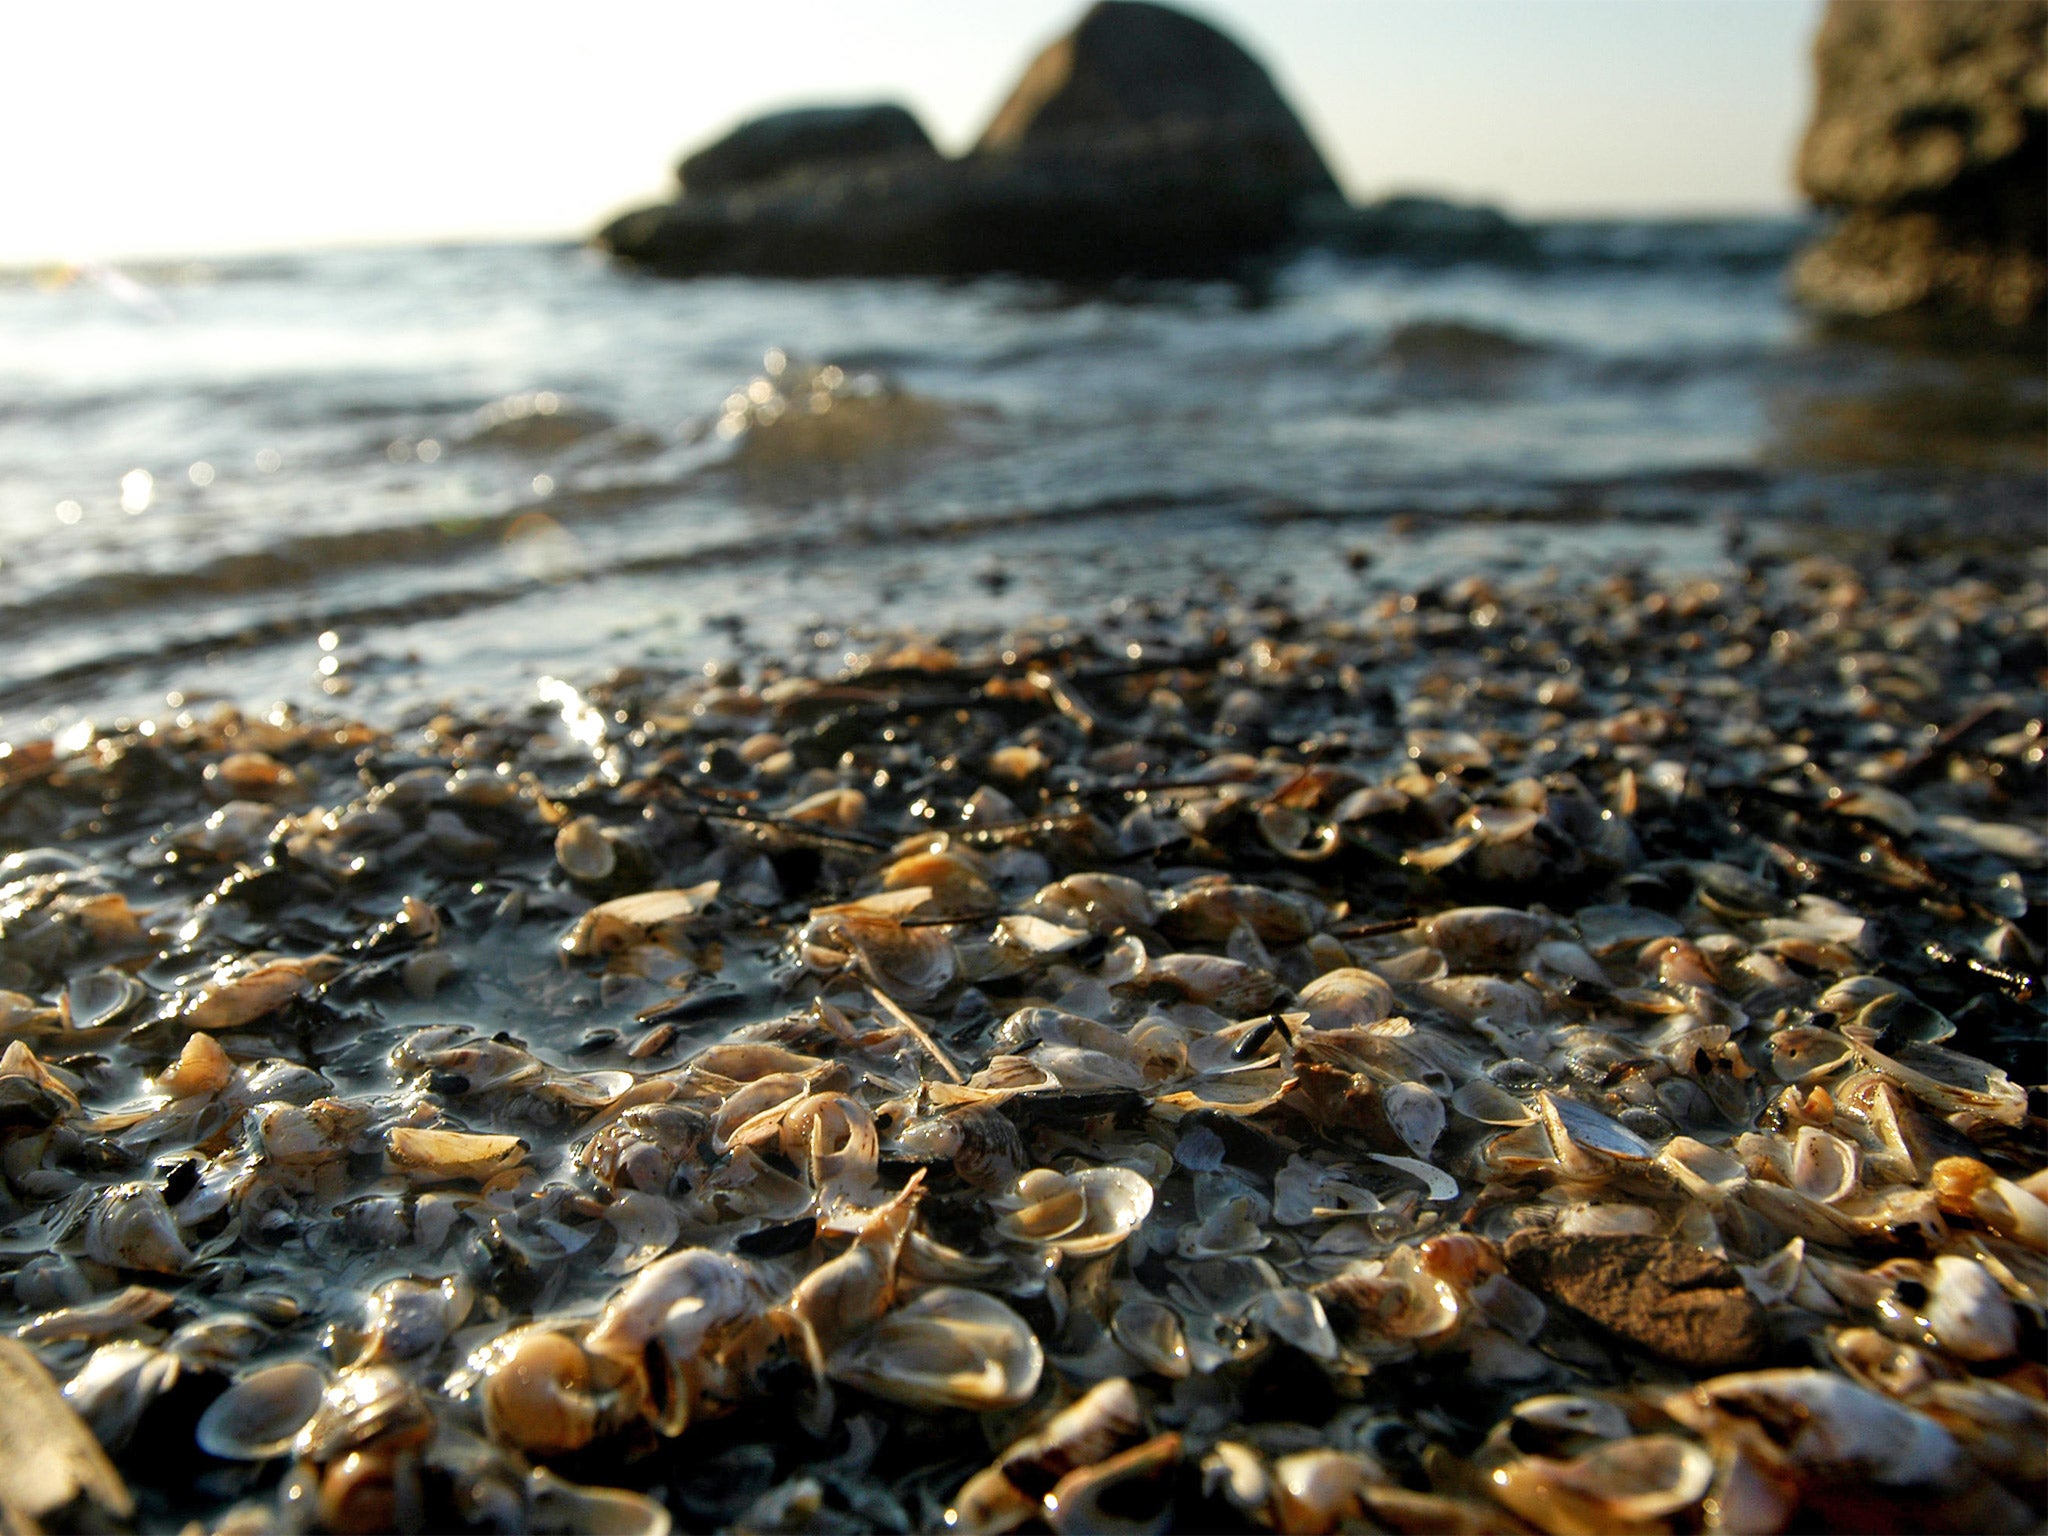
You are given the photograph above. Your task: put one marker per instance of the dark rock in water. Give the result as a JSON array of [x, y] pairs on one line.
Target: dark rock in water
[[1143, 143], [1674, 1300], [807, 139], [1930, 137]]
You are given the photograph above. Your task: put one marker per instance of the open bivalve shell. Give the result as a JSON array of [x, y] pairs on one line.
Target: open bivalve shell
[[948, 1348]]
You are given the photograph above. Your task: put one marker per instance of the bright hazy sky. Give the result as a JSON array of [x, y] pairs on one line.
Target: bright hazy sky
[[206, 126]]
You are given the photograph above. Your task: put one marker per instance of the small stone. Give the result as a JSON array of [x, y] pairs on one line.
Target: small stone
[[1664, 1296]]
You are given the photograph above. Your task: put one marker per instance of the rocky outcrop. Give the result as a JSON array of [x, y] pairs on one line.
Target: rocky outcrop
[[1142, 143], [808, 139], [1930, 140]]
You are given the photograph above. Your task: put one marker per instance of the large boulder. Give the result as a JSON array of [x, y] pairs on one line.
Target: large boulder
[[805, 139], [1143, 143], [1930, 140], [1129, 67]]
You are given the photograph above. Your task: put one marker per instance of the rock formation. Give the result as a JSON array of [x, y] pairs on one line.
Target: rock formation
[[1144, 142], [1930, 140], [764, 148]]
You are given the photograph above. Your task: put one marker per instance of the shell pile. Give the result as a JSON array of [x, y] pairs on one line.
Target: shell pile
[[1517, 1057]]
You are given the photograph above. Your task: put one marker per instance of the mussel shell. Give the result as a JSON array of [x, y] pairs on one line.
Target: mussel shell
[[100, 997], [261, 1414]]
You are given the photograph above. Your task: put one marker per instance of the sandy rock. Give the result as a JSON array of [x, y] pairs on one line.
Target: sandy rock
[[1663, 1296], [1928, 137]]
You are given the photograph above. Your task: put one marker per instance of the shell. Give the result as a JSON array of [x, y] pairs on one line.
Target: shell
[[405, 1319], [1620, 1485], [99, 998], [1346, 998], [360, 1407], [1824, 1167], [241, 995], [1101, 903], [202, 1067], [1488, 1103], [1295, 1317], [650, 917], [1831, 1428], [647, 1228], [261, 1415], [1130, 1492], [955, 878], [117, 1385], [1484, 938], [1967, 1187], [1212, 912], [949, 1348], [303, 1136], [1118, 1200], [1322, 1491], [1440, 1185], [1954, 1304], [554, 1504], [130, 1227], [912, 965], [539, 1394], [442, 1155], [1701, 1170], [584, 853], [1151, 1333], [689, 1326]]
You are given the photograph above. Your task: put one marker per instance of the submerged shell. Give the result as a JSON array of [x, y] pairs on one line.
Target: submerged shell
[[372, 1403], [99, 997], [949, 1348], [554, 1504], [1346, 998], [651, 917], [130, 1227], [1151, 1332], [262, 1413], [430, 1154]]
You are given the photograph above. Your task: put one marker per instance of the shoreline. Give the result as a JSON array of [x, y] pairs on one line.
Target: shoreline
[[1738, 876]]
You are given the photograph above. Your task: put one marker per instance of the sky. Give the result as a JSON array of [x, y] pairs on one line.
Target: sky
[[212, 126]]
